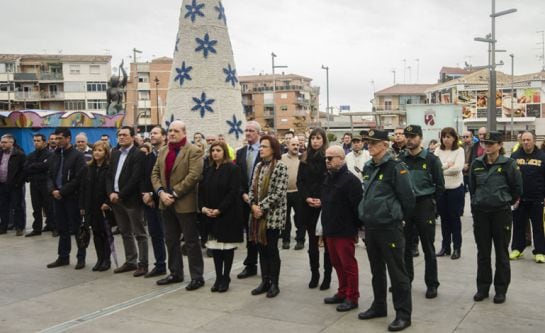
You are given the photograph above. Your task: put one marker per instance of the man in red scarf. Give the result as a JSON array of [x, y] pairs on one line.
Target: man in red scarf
[[175, 177]]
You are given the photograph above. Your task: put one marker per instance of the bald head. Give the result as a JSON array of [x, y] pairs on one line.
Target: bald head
[[334, 158], [176, 131]]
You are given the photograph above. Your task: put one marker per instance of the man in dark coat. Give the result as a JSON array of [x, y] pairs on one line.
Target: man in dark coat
[[12, 181]]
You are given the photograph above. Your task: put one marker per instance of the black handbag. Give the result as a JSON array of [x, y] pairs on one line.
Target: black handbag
[[83, 236]]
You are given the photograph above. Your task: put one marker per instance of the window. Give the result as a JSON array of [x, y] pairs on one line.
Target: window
[[144, 95], [388, 105], [96, 104], [283, 96], [74, 86], [7, 67], [74, 105], [144, 113], [75, 70], [143, 77], [284, 107], [96, 86], [94, 69]]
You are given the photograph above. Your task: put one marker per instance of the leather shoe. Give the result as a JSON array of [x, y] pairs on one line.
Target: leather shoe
[[47, 228], [273, 291], [33, 233], [96, 266], [263, 287], [398, 325], [335, 299], [126, 267], [140, 271], [346, 306], [59, 262], [371, 313], [315, 278], [479, 296], [19, 232], [216, 286], [455, 255], [431, 292], [170, 279], [499, 298], [80, 264], [285, 245], [224, 284], [443, 252], [194, 284], [247, 272], [155, 272], [326, 282], [299, 246], [104, 265]]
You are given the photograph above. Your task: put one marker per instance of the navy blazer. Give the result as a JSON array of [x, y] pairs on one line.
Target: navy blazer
[[241, 162]]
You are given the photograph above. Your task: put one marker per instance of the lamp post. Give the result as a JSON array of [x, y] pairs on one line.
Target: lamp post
[[157, 98], [327, 92], [273, 55], [491, 121], [512, 91]]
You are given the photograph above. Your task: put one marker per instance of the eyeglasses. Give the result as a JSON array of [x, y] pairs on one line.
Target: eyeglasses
[[329, 158], [466, 136]]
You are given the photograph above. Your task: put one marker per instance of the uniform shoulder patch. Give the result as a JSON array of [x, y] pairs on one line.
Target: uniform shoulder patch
[[403, 171]]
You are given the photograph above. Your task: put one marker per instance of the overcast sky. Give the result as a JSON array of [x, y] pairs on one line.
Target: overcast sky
[[360, 40]]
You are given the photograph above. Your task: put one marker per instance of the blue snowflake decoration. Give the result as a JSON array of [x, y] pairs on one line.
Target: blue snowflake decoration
[[221, 12], [203, 104], [206, 45], [234, 126], [183, 74], [231, 75], [194, 10], [168, 122]]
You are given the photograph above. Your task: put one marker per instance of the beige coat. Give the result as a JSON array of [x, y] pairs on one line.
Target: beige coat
[[184, 177]]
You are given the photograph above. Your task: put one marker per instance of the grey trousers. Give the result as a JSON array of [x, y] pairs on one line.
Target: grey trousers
[[130, 221], [175, 225]]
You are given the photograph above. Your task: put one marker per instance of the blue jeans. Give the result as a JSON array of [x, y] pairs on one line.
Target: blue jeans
[[450, 206], [67, 220], [156, 231]]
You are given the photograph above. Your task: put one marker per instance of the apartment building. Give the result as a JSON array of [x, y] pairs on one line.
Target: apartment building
[[54, 82], [147, 92]]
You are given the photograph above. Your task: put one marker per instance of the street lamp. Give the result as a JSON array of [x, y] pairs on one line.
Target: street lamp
[[273, 55], [327, 92], [491, 39], [157, 98]]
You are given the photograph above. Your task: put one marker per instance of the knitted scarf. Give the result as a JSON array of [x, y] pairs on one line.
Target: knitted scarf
[[258, 228], [173, 149]]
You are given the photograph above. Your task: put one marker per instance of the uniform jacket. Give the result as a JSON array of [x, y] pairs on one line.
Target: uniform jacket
[[184, 177], [219, 189], [341, 194], [73, 166], [496, 186], [388, 197], [274, 205], [130, 178], [426, 173], [16, 174], [37, 166], [532, 168]]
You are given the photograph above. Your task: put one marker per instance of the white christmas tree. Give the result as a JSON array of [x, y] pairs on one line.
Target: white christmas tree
[[204, 90]]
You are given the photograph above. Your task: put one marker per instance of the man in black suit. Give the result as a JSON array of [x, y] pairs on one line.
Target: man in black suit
[[247, 158], [63, 183], [123, 187], [151, 204], [12, 181]]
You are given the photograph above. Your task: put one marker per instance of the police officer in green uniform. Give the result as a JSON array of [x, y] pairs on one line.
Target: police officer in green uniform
[[495, 183], [388, 199], [428, 184]]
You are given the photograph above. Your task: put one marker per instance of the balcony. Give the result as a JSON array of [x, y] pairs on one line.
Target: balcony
[[49, 96], [300, 113], [302, 101], [268, 114], [25, 77], [27, 95], [247, 102], [143, 86], [47, 76]]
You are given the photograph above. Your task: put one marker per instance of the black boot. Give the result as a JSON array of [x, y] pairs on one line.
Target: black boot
[[326, 282], [97, 265], [104, 265], [274, 290], [263, 287], [314, 280]]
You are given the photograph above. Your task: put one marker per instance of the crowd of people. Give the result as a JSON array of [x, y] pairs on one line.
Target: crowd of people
[[205, 193]]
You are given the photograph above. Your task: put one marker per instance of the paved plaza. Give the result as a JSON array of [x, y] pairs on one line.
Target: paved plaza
[[34, 298]]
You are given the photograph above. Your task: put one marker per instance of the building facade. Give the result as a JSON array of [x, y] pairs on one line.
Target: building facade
[[292, 105], [147, 93], [54, 82]]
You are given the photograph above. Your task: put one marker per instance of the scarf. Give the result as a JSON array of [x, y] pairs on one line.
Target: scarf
[[173, 149], [258, 228]]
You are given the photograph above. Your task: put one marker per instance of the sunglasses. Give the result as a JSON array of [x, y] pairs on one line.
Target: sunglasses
[[329, 158]]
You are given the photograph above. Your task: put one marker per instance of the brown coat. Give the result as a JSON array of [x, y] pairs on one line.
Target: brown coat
[[184, 177]]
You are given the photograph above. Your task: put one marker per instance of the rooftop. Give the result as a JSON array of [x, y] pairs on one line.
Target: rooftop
[[54, 57], [454, 71], [269, 77], [405, 89]]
